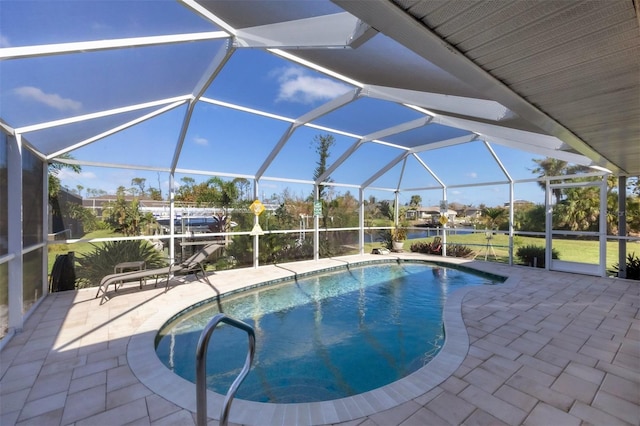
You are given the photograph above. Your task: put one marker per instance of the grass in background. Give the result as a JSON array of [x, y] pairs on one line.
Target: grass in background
[[78, 248], [569, 250]]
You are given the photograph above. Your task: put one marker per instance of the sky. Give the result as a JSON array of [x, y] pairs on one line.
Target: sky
[[219, 139]]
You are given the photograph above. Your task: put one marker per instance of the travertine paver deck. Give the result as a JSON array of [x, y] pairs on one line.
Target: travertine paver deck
[[545, 348]]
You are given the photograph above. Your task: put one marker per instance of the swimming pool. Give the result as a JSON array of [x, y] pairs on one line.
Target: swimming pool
[[324, 336]]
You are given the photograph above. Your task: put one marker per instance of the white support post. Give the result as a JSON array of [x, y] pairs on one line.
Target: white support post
[[256, 238], [396, 208], [511, 215], [172, 214], [622, 226], [603, 227], [14, 216], [548, 224], [45, 227], [444, 227], [316, 225], [361, 220]]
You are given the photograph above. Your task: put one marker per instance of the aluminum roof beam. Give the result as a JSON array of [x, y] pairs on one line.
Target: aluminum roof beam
[[101, 114], [116, 129], [445, 143], [479, 108], [329, 31], [92, 46]]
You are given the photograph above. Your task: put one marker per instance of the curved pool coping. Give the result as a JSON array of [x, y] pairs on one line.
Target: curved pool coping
[[146, 365]]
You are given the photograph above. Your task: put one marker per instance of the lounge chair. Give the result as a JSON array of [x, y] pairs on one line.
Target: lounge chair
[[436, 246], [193, 264]]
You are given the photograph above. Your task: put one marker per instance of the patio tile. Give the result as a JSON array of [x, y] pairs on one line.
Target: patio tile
[[482, 418], [48, 418], [425, 398], [622, 388], [423, 417], [10, 402], [15, 372], [159, 407], [501, 366], [575, 387], [595, 416], [83, 404], [124, 395], [589, 374], [619, 370], [492, 405], [544, 414], [450, 407], [41, 406], [536, 375], [68, 363], [598, 353], [541, 392], [95, 367], [182, 417], [484, 379], [617, 407], [627, 360], [20, 383], [516, 398], [526, 346], [120, 377], [496, 349], [87, 382], [120, 415], [396, 415], [9, 417], [453, 385], [50, 384]]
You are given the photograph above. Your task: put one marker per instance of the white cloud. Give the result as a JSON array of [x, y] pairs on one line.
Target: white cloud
[[296, 85], [50, 99], [201, 141], [472, 175], [4, 41]]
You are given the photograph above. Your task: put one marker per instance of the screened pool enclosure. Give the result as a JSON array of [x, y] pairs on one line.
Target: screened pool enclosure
[[426, 105]]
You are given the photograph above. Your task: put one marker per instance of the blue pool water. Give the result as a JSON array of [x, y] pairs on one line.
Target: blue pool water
[[324, 336]]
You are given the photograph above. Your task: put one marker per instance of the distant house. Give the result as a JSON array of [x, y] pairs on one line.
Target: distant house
[[519, 204], [469, 214], [97, 204], [429, 215]]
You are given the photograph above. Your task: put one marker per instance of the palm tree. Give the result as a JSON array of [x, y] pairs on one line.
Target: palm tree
[[495, 216], [553, 167], [550, 167]]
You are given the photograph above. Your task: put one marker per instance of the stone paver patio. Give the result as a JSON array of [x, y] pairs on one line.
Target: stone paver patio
[[544, 348]]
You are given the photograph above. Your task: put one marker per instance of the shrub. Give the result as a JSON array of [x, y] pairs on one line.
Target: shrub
[[93, 266], [527, 255], [458, 250], [633, 267], [426, 248], [386, 237]]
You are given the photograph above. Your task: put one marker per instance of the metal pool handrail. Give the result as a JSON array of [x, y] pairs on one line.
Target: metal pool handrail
[[201, 368]]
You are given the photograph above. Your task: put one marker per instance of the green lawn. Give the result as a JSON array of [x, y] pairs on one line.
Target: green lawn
[[569, 250], [78, 248]]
